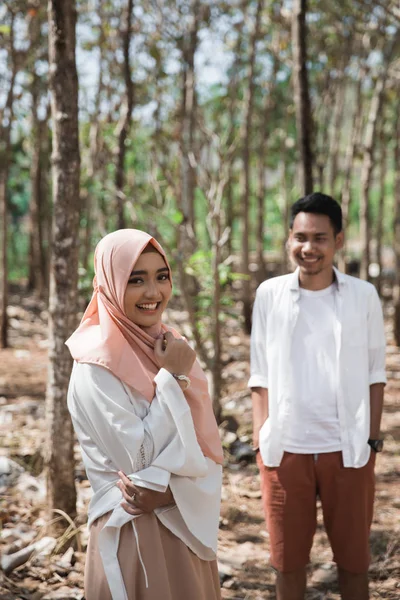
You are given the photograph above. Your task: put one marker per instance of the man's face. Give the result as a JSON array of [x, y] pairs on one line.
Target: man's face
[[312, 243]]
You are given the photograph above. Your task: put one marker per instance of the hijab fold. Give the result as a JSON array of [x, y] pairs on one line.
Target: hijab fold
[[107, 337]]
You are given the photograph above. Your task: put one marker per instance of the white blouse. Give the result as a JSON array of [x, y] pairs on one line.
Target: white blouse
[[155, 444]]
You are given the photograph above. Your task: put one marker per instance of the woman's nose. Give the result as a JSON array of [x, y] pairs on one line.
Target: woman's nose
[[151, 289]]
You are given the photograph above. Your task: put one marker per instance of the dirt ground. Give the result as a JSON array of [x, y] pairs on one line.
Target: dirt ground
[[243, 542]]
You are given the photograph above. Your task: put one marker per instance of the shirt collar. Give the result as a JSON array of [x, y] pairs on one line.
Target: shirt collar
[[340, 280]]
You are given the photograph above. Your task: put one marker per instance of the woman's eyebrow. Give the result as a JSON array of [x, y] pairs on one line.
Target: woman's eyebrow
[[145, 272]]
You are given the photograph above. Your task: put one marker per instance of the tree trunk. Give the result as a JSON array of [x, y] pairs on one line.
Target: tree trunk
[[396, 231], [93, 213], [381, 204], [3, 256], [233, 84], [125, 122], [322, 111], [36, 280], [246, 153], [285, 263], [61, 493], [216, 362], [46, 204], [262, 187], [337, 121], [301, 94], [188, 173], [5, 149], [36, 274], [353, 142], [368, 162], [366, 174]]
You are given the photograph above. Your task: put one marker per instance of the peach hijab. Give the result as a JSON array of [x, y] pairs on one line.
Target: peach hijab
[[108, 338]]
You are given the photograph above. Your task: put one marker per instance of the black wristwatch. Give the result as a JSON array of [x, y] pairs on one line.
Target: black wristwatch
[[376, 445]]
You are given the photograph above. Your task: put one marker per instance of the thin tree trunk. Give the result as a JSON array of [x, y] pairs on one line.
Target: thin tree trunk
[[234, 82], [262, 187], [322, 112], [368, 162], [36, 276], [285, 213], [3, 258], [353, 142], [5, 149], [337, 121], [61, 493], [396, 231], [366, 174], [216, 362], [124, 125], [230, 204], [188, 173], [301, 94], [46, 205], [246, 152], [381, 204], [93, 211]]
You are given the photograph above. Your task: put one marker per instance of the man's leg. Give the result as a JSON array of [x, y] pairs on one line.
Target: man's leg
[[353, 586], [347, 498], [289, 501], [291, 586]]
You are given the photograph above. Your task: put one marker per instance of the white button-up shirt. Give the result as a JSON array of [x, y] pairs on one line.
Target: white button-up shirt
[[360, 347]]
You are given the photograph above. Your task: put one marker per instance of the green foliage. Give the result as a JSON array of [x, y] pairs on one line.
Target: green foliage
[[18, 248], [199, 266], [338, 38]]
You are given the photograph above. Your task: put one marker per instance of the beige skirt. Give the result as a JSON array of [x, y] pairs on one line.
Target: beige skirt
[[174, 572]]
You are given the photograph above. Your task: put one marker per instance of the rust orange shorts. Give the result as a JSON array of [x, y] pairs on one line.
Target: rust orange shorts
[[290, 494]]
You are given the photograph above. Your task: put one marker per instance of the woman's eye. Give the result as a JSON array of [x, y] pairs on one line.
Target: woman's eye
[[163, 277], [135, 280]]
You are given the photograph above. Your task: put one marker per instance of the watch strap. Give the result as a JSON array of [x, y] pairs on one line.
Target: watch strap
[[184, 378]]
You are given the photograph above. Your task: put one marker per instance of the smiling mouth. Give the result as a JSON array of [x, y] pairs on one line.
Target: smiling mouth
[[310, 260], [149, 307]]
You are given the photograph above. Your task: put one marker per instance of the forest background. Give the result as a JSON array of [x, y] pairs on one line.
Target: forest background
[[200, 122]]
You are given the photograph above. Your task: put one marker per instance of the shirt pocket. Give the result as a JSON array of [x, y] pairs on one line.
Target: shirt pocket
[[354, 332]]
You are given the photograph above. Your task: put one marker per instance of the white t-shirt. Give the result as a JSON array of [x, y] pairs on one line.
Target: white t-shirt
[[313, 420]]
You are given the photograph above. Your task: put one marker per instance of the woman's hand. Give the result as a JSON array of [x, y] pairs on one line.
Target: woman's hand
[[176, 356], [140, 500]]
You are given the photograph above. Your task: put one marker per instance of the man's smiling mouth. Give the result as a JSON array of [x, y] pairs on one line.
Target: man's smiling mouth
[[310, 260]]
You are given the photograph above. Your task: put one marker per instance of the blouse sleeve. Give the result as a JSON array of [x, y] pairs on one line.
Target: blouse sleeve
[[176, 449], [108, 427]]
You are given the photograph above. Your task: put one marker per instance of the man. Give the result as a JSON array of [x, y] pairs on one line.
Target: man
[[317, 379]]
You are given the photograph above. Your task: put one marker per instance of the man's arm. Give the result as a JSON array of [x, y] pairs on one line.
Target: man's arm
[[259, 397], [376, 406]]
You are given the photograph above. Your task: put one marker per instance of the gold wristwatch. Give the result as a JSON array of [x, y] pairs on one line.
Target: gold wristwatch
[[184, 378]]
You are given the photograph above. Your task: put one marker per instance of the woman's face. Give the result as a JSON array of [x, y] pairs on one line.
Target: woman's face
[[148, 291]]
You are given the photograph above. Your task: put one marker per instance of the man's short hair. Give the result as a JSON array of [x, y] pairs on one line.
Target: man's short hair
[[320, 204]]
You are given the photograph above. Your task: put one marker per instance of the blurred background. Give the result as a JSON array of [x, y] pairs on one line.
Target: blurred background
[[201, 122]]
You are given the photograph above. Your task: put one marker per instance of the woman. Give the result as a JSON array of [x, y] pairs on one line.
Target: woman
[[150, 444]]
